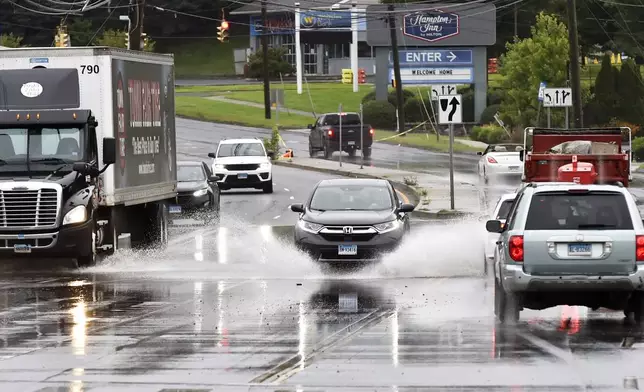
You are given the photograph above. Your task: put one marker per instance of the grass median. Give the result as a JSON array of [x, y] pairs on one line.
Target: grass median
[[231, 113], [424, 141]]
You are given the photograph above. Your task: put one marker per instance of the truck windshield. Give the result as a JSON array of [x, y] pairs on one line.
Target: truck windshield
[[241, 149], [56, 145], [584, 211]]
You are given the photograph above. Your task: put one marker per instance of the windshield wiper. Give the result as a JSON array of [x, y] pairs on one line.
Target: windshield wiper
[[53, 161], [596, 226], [57, 170]]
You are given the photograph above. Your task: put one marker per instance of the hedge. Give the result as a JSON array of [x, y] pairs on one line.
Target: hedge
[[489, 134], [379, 114]]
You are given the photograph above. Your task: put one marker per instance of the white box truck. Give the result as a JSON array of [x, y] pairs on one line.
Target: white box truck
[[87, 150]]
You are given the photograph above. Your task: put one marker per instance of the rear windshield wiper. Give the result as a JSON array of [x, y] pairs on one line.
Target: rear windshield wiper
[[596, 226], [56, 161]]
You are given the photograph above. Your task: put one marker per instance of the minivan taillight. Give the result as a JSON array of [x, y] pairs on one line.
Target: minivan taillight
[[516, 248], [639, 247]]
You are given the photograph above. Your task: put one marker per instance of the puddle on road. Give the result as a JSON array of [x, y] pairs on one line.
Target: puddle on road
[[244, 252]]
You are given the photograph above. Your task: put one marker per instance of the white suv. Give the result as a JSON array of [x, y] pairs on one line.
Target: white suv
[[243, 163]]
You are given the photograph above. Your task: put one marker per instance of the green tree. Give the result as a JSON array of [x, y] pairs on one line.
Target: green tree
[[116, 39], [10, 40], [80, 31], [528, 62], [276, 64], [630, 88], [606, 97]]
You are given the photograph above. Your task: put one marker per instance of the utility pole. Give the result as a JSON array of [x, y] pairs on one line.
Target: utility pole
[[267, 84], [394, 48], [574, 64], [136, 17]]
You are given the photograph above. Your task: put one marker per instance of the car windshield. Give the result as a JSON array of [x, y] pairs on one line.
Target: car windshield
[[504, 209], [351, 197], [587, 211], [506, 148], [56, 145], [241, 149], [186, 173], [347, 119]]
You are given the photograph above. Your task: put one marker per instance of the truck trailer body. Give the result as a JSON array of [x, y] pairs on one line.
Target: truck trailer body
[[87, 150], [557, 154]]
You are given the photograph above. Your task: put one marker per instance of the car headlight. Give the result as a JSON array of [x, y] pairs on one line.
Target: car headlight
[[310, 227], [200, 192], [77, 214], [218, 167], [265, 165], [387, 226]]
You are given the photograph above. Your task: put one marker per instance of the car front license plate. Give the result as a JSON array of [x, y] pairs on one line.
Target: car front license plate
[[175, 209], [348, 303], [352, 143], [242, 176], [579, 249], [347, 250], [22, 248]]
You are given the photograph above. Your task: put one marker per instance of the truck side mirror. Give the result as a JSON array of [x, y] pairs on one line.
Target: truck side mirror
[[109, 150], [85, 169], [521, 155]]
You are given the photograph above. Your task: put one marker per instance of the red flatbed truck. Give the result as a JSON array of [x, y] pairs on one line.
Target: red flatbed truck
[[588, 155]]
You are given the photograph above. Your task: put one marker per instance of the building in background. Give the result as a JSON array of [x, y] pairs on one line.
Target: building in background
[[325, 33]]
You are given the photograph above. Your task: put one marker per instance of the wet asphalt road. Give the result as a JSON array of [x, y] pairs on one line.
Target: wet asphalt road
[[238, 309], [201, 135]]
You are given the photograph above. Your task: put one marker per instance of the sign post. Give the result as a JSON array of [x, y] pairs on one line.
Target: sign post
[[557, 97], [361, 140], [450, 111], [340, 130]]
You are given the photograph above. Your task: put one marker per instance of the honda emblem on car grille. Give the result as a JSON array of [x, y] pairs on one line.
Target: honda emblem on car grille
[[347, 229]]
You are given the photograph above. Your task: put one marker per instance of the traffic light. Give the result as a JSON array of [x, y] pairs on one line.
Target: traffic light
[[127, 39], [62, 38], [222, 34]]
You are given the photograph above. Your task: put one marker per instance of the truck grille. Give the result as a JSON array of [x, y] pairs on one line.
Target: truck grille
[[249, 167], [28, 208]]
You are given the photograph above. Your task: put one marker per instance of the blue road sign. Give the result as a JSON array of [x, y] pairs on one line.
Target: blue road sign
[[542, 87], [419, 57]]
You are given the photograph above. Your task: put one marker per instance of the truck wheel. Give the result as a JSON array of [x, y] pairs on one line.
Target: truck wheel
[[160, 238], [268, 187], [367, 152], [352, 152], [89, 259], [327, 151], [312, 152]]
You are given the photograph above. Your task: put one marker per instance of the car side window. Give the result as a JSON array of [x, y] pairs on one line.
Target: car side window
[[206, 169], [396, 200], [319, 122], [513, 212]]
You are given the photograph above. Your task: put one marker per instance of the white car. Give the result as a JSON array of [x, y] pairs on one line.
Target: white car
[[500, 160], [243, 163], [500, 213]]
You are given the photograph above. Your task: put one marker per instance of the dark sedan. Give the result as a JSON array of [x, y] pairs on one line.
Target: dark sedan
[[351, 219], [198, 195]]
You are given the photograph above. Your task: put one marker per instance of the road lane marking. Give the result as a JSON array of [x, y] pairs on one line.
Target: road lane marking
[[277, 217], [286, 189], [292, 198]]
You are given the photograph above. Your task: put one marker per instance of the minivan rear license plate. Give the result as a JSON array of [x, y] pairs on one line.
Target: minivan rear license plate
[[175, 209], [242, 176], [348, 303], [22, 248], [347, 250], [579, 249]]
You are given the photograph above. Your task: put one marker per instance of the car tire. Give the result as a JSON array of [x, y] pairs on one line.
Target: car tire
[[485, 267], [506, 305], [327, 151], [268, 187], [636, 307], [366, 152], [312, 152], [352, 152]]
